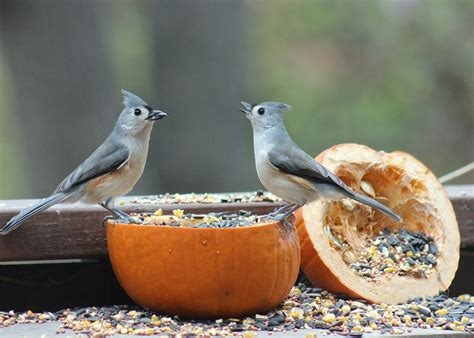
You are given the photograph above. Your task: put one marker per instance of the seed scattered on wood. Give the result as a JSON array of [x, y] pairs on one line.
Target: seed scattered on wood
[[305, 307]]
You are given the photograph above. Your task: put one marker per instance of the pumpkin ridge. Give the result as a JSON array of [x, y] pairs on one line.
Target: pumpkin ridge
[[275, 271], [220, 305], [185, 270], [249, 241]]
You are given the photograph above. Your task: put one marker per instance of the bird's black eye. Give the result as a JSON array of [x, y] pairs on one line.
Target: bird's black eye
[[137, 112], [261, 110]]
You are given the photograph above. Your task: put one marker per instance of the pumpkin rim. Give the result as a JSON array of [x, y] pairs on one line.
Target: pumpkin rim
[[112, 222]]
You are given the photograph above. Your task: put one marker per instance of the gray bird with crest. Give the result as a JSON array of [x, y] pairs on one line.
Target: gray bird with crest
[[287, 171], [111, 171]]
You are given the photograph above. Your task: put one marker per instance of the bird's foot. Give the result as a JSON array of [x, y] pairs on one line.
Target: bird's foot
[[283, 217], [129, 219], [124, 217], [280, 210], [106, 219]]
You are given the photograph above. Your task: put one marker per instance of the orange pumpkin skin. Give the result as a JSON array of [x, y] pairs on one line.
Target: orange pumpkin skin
[[401, 179], [313, 266], [205, 272]]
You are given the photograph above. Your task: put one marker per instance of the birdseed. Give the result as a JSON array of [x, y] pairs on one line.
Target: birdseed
[[239, 219], [192, 198], [400, 252], [304, 308]]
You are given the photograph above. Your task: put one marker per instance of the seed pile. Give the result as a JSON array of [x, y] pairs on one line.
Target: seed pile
[[305, 307], [402, 253], [238, 219], [256, 196]]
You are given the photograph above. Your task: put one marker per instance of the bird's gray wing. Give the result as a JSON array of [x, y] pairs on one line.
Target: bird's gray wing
[[107, 158], [296, 162]]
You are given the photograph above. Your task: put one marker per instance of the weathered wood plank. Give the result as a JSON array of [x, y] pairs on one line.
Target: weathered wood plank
[[75, 230], [462, 197]]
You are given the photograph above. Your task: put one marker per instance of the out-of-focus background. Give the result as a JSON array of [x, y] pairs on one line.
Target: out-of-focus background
[[392, 74]]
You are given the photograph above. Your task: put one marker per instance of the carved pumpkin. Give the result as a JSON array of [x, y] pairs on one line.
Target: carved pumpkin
[[404, 184], [205, 272]]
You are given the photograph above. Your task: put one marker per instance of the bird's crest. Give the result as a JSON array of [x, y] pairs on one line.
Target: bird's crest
[[131, 100]]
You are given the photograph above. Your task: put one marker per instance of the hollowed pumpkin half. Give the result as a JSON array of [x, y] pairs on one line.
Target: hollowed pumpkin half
[[404, 184], [205, 272]]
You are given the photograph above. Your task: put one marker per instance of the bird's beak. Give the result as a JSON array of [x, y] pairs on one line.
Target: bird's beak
[[154, 115], [247, 107]]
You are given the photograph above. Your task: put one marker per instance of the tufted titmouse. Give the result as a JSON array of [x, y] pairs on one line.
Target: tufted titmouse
[[111, 171], [286, 170]]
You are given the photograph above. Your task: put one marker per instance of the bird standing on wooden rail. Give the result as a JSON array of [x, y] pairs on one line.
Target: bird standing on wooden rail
[[287, 171], [111, 171]]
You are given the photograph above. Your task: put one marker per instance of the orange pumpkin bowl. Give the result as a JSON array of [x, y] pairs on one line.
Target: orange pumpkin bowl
[[205, 272], [404, 184]]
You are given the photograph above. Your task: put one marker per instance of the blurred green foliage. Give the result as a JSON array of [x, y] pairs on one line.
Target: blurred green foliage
[[12, 173], [389, 74]]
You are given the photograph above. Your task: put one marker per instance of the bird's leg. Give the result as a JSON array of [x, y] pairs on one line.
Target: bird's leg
[[281, 209], [283, 217], [109, 205]]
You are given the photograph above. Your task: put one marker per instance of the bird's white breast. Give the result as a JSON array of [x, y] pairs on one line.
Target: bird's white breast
[[278, 183], [119, 182]]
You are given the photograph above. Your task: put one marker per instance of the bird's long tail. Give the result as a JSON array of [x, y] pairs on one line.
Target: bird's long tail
[[374, 204], [28, 212]]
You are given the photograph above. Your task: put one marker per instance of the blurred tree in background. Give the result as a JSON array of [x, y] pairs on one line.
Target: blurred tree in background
[[389, 74]]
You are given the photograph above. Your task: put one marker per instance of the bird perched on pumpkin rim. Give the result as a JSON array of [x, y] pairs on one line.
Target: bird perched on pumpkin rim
[[111, 171], [287, 171]]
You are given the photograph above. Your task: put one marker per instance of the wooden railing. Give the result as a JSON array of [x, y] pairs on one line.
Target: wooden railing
[[74, 232]]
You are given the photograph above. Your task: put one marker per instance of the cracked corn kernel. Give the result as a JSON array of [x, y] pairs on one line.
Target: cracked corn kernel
[[346, 309], [329, 318], [43, 317], [296, 313], [178, 212], [441, 312], [158, 212]]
